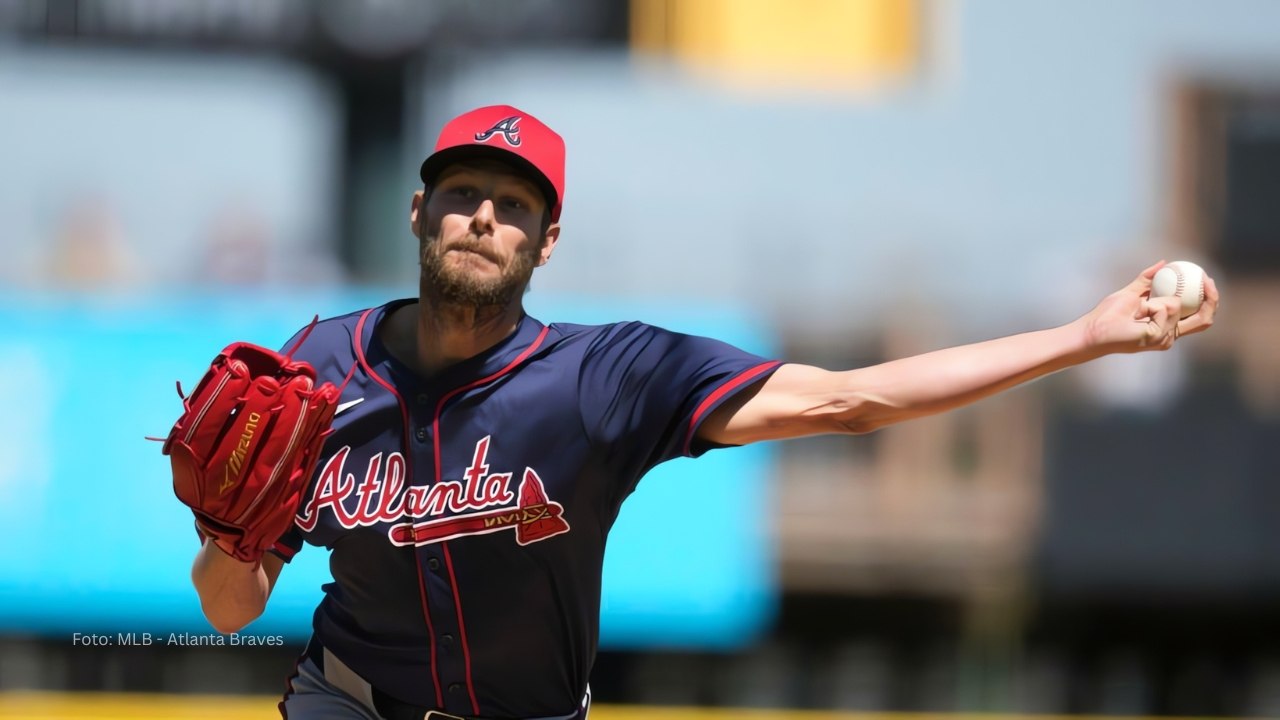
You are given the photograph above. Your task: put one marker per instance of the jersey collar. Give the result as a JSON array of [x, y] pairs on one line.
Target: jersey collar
[[478, 366]]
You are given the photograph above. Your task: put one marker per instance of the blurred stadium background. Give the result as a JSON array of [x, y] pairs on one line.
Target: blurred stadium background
[[835, 182]]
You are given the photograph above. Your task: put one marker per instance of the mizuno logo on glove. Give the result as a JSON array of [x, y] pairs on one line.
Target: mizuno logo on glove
[[236, 460], [256, 424]]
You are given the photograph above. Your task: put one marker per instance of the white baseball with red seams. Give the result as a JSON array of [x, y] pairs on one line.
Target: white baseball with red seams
[[1182, 279]]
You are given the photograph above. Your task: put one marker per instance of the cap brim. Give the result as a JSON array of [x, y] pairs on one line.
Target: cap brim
[[438, 161]]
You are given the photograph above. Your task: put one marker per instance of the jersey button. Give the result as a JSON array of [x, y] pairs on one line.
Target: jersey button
[[433, 563], [421, 433], [455, 688], [446, 640], [422, 398]]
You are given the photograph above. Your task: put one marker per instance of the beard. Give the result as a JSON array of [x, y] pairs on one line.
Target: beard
[[453, 284]]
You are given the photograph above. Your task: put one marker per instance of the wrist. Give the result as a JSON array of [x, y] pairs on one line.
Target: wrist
[[1082, 340]]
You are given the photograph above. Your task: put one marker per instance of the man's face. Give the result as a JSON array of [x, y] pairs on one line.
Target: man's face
[[481, 233]]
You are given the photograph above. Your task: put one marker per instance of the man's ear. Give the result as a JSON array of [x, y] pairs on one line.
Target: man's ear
[[549, 243], [417, 209]]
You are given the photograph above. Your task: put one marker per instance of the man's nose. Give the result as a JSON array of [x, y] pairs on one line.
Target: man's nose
[[482, 220]]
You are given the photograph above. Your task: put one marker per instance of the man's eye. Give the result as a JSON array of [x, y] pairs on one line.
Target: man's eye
[[463, 191], [514, 203]]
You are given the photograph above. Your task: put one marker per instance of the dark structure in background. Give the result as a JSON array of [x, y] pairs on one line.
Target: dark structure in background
[[367, 48], [1236, 138], [1161, 550]]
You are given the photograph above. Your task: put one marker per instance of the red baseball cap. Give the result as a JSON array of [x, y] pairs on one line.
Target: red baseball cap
[[508, 134]]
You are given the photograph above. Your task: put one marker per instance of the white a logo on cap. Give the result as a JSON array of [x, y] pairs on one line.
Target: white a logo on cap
[[509, 128]]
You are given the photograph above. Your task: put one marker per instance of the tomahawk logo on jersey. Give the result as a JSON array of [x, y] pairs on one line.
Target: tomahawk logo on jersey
[[467, 513], [383, 496]]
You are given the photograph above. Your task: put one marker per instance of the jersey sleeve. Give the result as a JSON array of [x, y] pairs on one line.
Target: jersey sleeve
[[326, 347], [288, 545], [644, 391]]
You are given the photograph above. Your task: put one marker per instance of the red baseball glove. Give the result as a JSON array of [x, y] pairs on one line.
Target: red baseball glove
[[246, 446]]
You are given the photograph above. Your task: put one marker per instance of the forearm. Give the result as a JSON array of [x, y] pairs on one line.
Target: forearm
[[798, 400], [232, 593], [945, 379]]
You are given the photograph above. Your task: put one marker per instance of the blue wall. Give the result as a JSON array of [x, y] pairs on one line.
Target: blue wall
[[94, 540]]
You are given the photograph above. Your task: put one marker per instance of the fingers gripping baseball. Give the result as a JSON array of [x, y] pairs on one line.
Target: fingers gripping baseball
[[1196, 291], [1202, 319], [1159, 318], [1133, 320]]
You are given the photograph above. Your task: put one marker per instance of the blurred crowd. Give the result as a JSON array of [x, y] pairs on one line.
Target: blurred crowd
[[89, 250]]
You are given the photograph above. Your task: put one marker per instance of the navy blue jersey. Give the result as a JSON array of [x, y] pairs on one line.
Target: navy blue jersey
[[467, 513]]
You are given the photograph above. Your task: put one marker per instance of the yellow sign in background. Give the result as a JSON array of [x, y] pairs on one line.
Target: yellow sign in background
[[768, 42]]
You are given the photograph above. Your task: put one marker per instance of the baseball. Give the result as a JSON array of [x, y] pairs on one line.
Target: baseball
[[1181, 279]]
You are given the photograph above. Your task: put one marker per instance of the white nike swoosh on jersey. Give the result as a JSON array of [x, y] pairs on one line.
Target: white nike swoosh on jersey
[[347, 405]]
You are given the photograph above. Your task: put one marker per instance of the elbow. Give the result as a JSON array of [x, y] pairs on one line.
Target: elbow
[[859, 415], [229, 612], [232, 593], [858, 427], [226, 628], [229, 620], [860, 424]]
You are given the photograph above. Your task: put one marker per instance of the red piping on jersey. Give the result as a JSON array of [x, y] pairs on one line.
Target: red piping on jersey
[[462, 629], [285, 551], [435, 436], [358, 342], [720, 392]]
